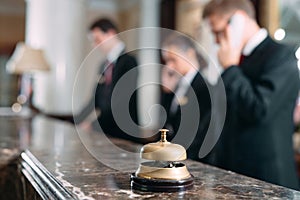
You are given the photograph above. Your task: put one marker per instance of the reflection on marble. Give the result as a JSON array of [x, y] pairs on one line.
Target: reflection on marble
[[90, 166], [10, 181]]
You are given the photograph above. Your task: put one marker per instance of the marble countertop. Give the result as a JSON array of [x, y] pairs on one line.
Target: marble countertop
[[88, 165]]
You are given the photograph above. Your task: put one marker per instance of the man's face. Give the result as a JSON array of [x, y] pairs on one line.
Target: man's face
[[218, 23], [177, 60], [97, 36]]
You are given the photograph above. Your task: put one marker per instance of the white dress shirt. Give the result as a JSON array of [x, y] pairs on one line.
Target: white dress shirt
[[183, 85], [115, 52], [255, 41]]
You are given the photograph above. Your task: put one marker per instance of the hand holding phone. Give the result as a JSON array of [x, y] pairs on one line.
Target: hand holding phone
[[237, 25], [231, 42]]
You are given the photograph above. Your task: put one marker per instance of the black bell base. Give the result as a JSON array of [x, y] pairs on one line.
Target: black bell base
[[160, 185]]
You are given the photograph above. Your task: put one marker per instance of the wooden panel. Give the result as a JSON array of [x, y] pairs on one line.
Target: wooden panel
[[188, 16], [269, 15], [12, 30]]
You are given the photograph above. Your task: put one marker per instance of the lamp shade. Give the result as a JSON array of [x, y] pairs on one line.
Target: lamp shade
[[26, 59]]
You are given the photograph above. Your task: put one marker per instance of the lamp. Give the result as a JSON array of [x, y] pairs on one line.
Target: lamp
[[26, 60]]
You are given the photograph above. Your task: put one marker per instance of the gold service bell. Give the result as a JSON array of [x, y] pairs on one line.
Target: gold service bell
[[165, 172]]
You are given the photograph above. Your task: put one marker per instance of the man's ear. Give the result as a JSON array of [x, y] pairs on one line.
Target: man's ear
[[191, 53], [111, 32]]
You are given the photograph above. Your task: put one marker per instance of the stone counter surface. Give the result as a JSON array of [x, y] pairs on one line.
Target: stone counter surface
[[81, 165]]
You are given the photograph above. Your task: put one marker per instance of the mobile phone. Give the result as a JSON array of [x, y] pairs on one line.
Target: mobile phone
[[237, 25]]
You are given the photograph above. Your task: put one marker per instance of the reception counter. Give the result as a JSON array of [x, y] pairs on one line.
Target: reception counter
[[44, 158]]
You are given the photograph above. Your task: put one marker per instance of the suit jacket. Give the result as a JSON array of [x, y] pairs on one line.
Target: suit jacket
[[123, 68], [261, 94], [103, 100], [189, 123]]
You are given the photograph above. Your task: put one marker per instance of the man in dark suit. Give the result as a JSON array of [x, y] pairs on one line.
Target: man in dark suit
[[261, 93], [117, 65], [185, 95]]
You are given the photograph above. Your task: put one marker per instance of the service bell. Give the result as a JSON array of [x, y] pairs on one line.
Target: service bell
[[164, 172]]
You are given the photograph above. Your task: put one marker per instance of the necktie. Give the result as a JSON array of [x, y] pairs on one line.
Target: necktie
[[179, 96], [108, 73], [242, 57]]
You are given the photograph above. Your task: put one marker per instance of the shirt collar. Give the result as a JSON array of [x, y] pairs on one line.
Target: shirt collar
[[115, 52], [255, 41], [189, 76]]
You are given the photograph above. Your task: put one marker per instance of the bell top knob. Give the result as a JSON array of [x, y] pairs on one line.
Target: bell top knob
[[163, 135], [163, 150]]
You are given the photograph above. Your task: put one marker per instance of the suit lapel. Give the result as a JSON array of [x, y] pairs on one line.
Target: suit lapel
[[185, 99], [251, 64], [117, 69]]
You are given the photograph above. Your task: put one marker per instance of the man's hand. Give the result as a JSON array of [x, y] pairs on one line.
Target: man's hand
[[228, 54], [86, 126]]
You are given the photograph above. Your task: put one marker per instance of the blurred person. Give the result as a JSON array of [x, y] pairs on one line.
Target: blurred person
[[181, 78], [117, 63], [297, 113], [262, 82]]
